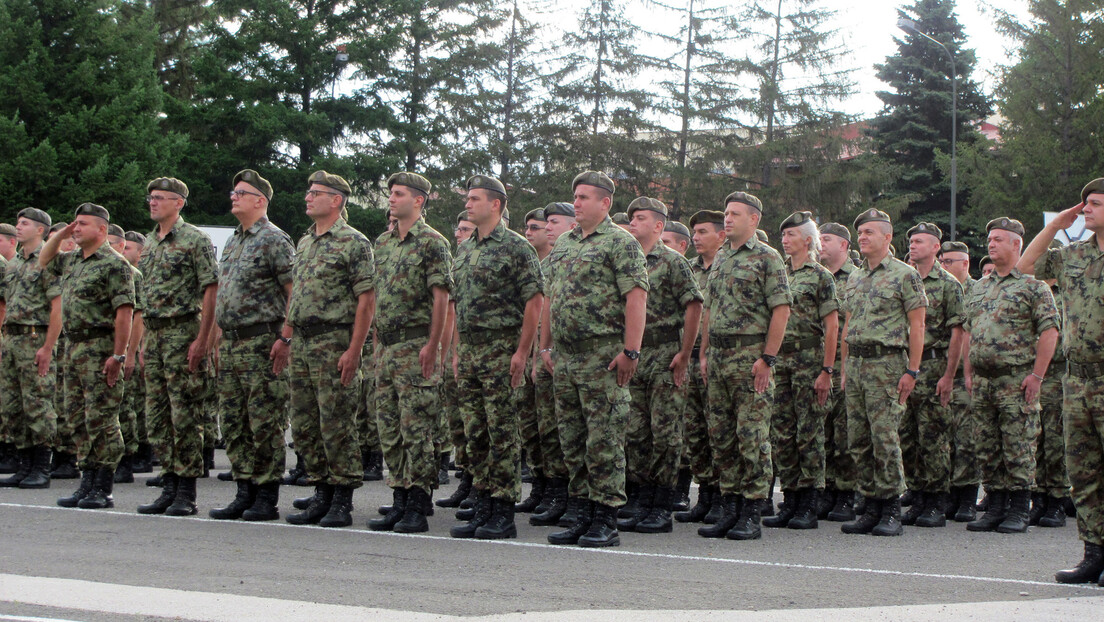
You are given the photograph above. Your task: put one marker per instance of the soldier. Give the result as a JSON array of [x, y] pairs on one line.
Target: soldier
[[128, 416], [883, 332], [621, 219], [30, 310], [1078, 269], [676, 236], [250, 309], [180, 280], [97, 293], [925, 427], [653, 443], [134, 392], [65, 443], [804, 371], [986, 266], [594, 320], [1013, 327], [9, 237], [415, 278]]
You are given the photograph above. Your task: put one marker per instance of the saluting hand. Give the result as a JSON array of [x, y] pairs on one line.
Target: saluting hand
[[1068, 216]]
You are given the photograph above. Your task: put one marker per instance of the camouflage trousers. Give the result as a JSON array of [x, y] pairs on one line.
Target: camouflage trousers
[[1008, 427], [525, 404], [925, 433], [839, 466], [253, 406], [406, 408], [593, 413], [450, 407], [965, 470], [323, 411], [695, 429], [27, 408], [1084, 409], [797, 425], [873, 419], [544, 398], [132, 416], [175, 399], [93, 404], [653, 440], [1050, 450], [66, 438], [212, 424], [739, 422], [487, 406], [367, 430]]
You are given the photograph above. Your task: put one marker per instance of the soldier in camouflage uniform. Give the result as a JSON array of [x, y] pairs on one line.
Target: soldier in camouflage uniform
[[676, 236], [371, 456], [498, 297], [8, 241], [65, 443], [748, 307], [653, 443], [30, 309], [1013, 326], [250, 308], [594, 320], [884, 304], [128, 417], [134, 393], [97, 293], [1052, 486], [415, 278], [803, 376], [1079, 271]]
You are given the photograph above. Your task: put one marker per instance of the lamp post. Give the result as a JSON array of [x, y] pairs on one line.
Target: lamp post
[[909, 25]]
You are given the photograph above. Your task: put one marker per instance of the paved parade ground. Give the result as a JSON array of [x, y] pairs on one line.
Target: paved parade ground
[[93, 565]]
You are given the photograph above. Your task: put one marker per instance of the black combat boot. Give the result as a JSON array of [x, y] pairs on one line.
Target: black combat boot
[[730, 514], [645, 495], [584, 513], [467, 510], [481, 514], [785, 512], [225, 476], [24, 469], [394, 515], [916, 508], [983, 505], [99, 498], [680, 501], [462, 491], [9, 458], [468, 502], [414, 518], [88, 477], [767, 508], [890, 522], [65, 466], [208, 461], [716, 508], [501, 525], [185, 502], [1069, 507], [860, 505], [1054, 516], [995, 515], [266, 503], [658, 518], [697, 513], [157, 481], [571, 513], [302, 503], [1038, 508], [967, 498], [1019, 507], [373, 466], [297, 476], [39, 475], [243, 500], [805, 517], [143, 458], [165, 499], [935, 511], [341, 507], [865, 523], [124, 473], [632, 492], [908, 498], [747, 526], [442, 469], [317, 507], [1089, 570], [844, 510], [546, 496], [826, 500], [536, 494], [556, 493], [603, 528]]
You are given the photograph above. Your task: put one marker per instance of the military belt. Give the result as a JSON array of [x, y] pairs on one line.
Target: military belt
[[933, 354], [734, 341], [1085, 370], [483, 337], [161, 323], [873, 352], [997, 371], [314, 330], [88, 334], [253, 330], [403, 334], [24, 329], [583, 346], [695, 354], [789, 347], [660, 336]]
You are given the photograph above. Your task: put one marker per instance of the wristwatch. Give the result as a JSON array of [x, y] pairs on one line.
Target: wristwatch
[[632, 354], [769, 360], [119, 358], [913, 372], [831, 371], [286, 340]]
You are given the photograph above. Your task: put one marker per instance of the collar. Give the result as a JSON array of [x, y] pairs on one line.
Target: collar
[[497, 234], [603, 227], [338, 224], [254, 228]]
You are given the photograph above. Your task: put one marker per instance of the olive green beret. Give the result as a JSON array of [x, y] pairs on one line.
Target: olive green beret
[[168, 184], [925, 227], [134, 236], [762, 235], [674, 226], [872, 215], [91, 209], [6, 229], [486, 182], [856, 257], [253, 178], [985, 260], [330, 180], [707, 216], [795, 219], [58, 226], [620, 218], [115, 230], [645, 203], [1094, 186], [35, 214], [594, 178], [462, 217], [559, 209], [1007, 224], [535, 214], [747, 199], [837, 230], [954, 247]]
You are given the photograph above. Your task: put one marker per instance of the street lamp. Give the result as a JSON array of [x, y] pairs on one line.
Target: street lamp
[[909, 25]]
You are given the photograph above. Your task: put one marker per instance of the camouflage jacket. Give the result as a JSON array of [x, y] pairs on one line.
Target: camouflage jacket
[[1006, 315], [408, 270], [814, 297], [701, 276], [177, 270], [139, 289], [495, 277], [329, 273], [945, 307], [671, 286], [93, 287], [745, 285], [589, 279], [1079, 270], [253, 274], [27, 290], [878, 300]]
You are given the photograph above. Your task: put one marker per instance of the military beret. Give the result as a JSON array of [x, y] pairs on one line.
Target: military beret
[[674, 226], [91, 209], [620, 218], [462, 217], [954, 247], [134, 236], [837, 230], [535, 214], [559, 209], [745, 198], [872, 215], [168, 184], [925, 227], [985, 260], [330, 180], [35, 214], [795, 219], [413, 181], [594, 178], [856, 257], [762, 235], [645, 203], [115, 230], [486, 182], [1094, 186], [254, 179], [707, 216], [1007, 224], [58, 226], [6, 229]]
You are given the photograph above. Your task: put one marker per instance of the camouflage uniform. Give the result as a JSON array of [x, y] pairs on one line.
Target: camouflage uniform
[[1051, 478], [253, 401], [133, 413], [406, 401], [330, 272], [695, 426], [839, 466], [367, 431], [965, 470], [544, 396], [65, 439], [450, 407], [496, 276], [177, 270], [587, 284]]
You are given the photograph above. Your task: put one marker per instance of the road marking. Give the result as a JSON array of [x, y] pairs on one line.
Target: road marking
[[33, 619], [581, 550]]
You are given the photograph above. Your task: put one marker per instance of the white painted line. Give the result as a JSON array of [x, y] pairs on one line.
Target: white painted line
[[33, 619]]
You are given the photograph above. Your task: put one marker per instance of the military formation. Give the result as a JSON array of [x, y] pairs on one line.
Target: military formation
[[589, 354]]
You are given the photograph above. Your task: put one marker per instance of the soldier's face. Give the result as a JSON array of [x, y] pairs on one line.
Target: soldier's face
[[958, 264], [591, 205], [322, 201], [481, 209], [1004, 248], [88, 230], [403, 202], [872, 240], [987, 269], [740, 221], [132, 251], [708, 238], [1094, 213], [535, 233], [922, 247], [556, 226], [793, 242], [673, 240], [27, 230], [464, 230], [116, 243], [645, 226], [164, 205], [245, 199], [832, 248]]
